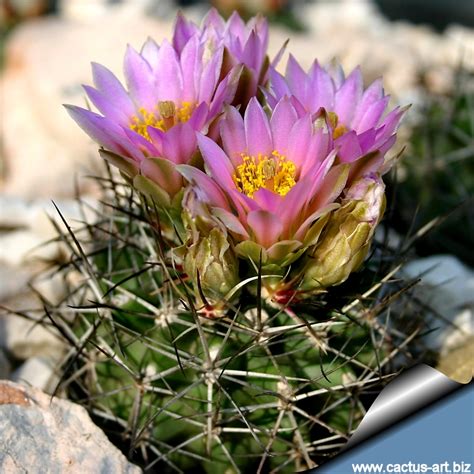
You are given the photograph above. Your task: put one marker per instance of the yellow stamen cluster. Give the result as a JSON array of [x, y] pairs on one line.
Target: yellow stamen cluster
[[164, 116], [274, 173]]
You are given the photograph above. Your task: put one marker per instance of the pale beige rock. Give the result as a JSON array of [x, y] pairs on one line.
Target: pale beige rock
[[22, 245], [13, 280], [51, 286], [356, 33], [46, 61], [447, 288], [30, 231], [24, 338], [37, 372], [45, 435]]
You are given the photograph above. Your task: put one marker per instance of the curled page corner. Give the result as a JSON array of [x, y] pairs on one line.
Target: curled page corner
[[411, 391]]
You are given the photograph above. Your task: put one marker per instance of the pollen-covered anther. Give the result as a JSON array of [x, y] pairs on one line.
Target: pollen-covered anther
[[274, 173], [338, 129], [330, 120], [167, 109]]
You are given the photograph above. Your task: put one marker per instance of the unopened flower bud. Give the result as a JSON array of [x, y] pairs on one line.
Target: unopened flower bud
[[212, 266], [346, 239]]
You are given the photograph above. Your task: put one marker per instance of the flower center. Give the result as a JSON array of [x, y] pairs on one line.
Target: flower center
[[164, 116], [274, 173]]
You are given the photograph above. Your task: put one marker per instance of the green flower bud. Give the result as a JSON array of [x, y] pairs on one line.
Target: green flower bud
[[346, 238], [212, 266]]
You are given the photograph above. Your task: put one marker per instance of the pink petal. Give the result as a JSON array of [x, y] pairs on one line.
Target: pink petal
[[169, 78], [266, 227], [387, 145], [180, 143], [157, 137], [242, 203], [298, 141], [183, 30], [141, 142], [108, 84], [318, 150], [252, 52], [365, 166], [348, 96], [371, 116], [236, 26], [367, 140], [348, 147], [233, 135], [213, 19], [231, 222], [294, 202], [319, 89], [216, 161], [278, 85], [213, 194], [210, 77], [295, 76], [106, 107], [268, 200], [150, 51], [319, 172], [104, 131], [257, 130], [270, 101], [140, 80], [190, 67], [282, 120], [166, 176], [372, 94], [330, 188], [225, 91], [390, 123], [199, 117]]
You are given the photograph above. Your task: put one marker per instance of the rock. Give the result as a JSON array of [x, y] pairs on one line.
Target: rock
[[25, 227], [46, 61], [23, 338], [29, 232], [447, 288], [45, 435], [37, 372], [4, 366], [447, 275], [51, 286], [407, 55], [22, 245], [80, 11], [458, 364], [11, 394], [13, 280]]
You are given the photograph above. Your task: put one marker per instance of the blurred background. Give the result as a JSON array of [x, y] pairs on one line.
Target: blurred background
[[423, 49]]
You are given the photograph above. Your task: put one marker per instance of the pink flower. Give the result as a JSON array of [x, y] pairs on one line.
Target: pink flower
[[245, 45], [150, 126], [356, 118], [272, 182]]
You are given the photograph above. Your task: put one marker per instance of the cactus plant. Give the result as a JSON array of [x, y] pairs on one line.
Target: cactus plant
[[261, 388], [201, 319]]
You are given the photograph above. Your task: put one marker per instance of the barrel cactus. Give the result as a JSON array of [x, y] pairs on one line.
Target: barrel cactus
[[204, 325]]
